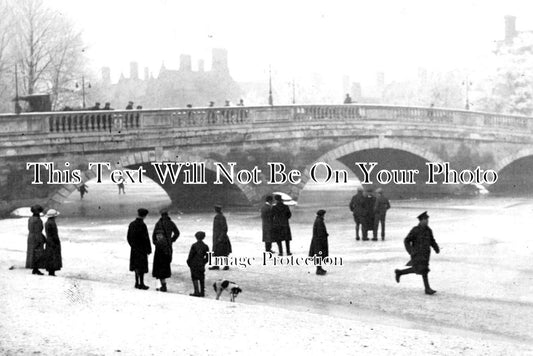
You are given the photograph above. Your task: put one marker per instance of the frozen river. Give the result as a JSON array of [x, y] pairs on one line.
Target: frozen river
[[483, 274]]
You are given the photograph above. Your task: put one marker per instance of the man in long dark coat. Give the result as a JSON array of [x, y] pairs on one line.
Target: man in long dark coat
[[196, 261], [266, 218], [53, 244], [281, 230], [369, 204], [319, 242], [164, 235], [139, 241], [221, 242], [357, 207], [418, 244], [380, 212]]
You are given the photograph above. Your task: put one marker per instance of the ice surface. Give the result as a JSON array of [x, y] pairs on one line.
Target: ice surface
[[483, 276]]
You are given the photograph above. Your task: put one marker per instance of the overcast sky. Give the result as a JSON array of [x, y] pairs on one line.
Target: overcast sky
[[351, 37]]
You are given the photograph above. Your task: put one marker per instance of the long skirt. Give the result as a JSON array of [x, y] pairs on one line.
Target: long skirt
[[162, 260]]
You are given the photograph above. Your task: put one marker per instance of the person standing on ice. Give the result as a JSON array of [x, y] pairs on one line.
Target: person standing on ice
[[380, 212], [357, 207], [281, 230], [266, 219], [221, 242], [418, 244], [196, 261], [139, 241], [53, 244], [319, 242], [83, 189], [36, 240], [164, 235]]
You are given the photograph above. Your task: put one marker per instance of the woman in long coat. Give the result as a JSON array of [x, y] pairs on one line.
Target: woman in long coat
[[36, 240], [53, 245], [281, 230], [221, 242], [164, 235], [266, 219], [319, 242], [139, 241]]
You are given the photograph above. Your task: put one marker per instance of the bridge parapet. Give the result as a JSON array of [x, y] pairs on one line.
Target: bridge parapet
[[124, 121]]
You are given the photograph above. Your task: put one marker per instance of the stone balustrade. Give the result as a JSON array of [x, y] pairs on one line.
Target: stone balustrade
[[79, 122]]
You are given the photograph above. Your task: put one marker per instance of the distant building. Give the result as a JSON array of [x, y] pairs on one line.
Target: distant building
[[134, 71], [510, 29], [177, 88]]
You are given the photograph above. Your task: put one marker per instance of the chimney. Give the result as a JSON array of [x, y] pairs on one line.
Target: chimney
[[185, 63], [134, 70], [356, 91], [220, 60], [380, 81], [106, 75], [510, 29], [201, 65], [146, 73]]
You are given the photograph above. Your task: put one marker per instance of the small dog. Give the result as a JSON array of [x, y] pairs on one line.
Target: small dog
[[223, 284]]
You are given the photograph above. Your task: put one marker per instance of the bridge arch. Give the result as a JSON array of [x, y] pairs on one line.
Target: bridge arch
[[514, 173], [523, 153], [366, 144], [142, 158]]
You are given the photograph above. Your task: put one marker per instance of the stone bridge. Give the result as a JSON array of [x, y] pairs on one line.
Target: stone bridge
[[297, 135]]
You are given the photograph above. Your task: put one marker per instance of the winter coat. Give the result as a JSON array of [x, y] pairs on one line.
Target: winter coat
[[319, 242], [369, 204], [53, 246], [221, 242], [357, 205], [198, 256], [381, 206], [281, 230], [164, 235], [35, 253], [418, 244], [266, 218], [139, 241]]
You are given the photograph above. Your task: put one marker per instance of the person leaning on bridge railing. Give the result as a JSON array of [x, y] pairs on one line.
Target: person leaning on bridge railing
[[348, 99]]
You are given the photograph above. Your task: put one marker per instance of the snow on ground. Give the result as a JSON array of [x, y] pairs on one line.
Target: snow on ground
[[483, 276], [67, 316]]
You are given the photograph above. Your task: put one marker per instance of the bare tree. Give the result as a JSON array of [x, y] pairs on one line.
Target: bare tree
[[47, 47], [5, 55], [67, 63]]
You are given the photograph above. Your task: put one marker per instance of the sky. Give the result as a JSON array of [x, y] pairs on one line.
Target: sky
[[296, 38]]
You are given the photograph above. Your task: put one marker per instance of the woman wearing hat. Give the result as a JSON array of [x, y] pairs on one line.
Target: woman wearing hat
[[319, 243], [221, 241], [36, 241], [165, 234], [53, 245]]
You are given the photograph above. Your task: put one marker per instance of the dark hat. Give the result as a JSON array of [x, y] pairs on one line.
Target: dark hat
[[218, 206], [321, 212], [200, 235], [277, 197], [268, 198], [163, 211], [36, 209], [423, 216], [142, 212]]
